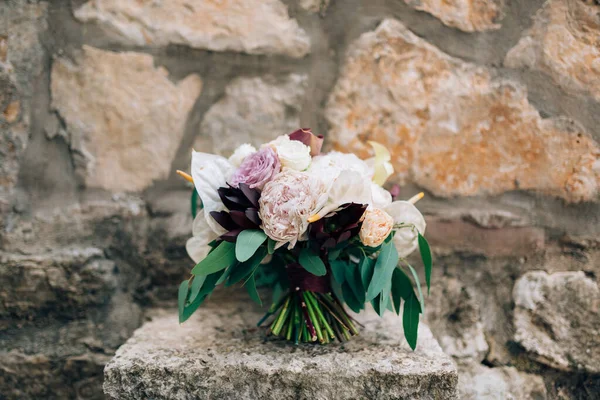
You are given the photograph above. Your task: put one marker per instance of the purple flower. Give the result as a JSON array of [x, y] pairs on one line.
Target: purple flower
[[257, 169]]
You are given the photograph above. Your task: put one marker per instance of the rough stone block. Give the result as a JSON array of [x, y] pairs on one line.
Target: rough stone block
[[219, 354]]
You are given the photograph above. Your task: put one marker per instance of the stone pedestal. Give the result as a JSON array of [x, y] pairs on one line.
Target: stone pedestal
[[220, 354]]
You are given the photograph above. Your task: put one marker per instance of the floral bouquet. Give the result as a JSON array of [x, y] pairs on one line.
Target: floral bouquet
[[319, 229]]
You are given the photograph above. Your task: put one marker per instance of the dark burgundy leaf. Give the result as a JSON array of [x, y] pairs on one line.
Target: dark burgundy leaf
[[239, 217], [251, 195], [224, 219]]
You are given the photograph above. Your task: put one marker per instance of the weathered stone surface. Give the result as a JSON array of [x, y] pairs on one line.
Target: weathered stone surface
[[218, 354], [253, 110], [129, 130], [315, 6], [564, 42], [451, 127], [21, 56], [466, 15], [250, 26], [454, 317], [452, 235], [557, 319], [477, 382]]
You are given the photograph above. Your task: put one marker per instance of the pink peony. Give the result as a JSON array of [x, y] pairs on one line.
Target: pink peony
[[257, 169], [286, 203]]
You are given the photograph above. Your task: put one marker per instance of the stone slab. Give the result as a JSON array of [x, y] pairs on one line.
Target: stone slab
[[219, 354]]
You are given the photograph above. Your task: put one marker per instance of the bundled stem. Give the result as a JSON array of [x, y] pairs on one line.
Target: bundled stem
[[306, 316]]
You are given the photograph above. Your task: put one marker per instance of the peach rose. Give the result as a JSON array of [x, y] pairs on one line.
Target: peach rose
[[376, 226]]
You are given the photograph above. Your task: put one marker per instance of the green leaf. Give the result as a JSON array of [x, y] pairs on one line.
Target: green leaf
[[410, 320], [243, 270], [384, 267], [337, 289], [251, 287], [311, 262], [207, 288], [354, 281], [366, 267], [271, 245], [401, 288], [194, 202], [226, 273], [350, 299], [418, 285], [376, 303], [248, 241], [181, 297], [220, 258], [338, 269], [426, 257], [333, 254], [384, 296], [196, 286]]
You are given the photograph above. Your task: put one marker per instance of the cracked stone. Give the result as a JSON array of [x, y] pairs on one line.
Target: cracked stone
[[466, 15]]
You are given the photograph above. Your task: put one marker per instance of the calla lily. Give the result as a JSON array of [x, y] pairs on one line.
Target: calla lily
[[380, 197], [381, 163], [210, 172], [197, 246], [408, 222], [349, 187], [304, 135]]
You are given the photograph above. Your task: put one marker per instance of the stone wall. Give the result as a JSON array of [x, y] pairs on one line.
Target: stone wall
[[491, 107]]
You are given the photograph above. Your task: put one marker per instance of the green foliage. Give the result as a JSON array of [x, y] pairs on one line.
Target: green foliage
[[366, 266], [181, 296], [312, 262], [338, 270], [194, 202], [350, 298], [427, 260], [248, 241], [354, 281], [418, 285], [384, 268], [401, 288], [218, 259], [410, 320], [251, 288], [196, 286], [187, 307], [271, 245], [244, 269]]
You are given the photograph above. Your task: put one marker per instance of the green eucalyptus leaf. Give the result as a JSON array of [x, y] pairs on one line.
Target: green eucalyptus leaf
[[196, 286], [271, 245], [194, 203], [376, 303], [311, 262], [418, 285], [181, 297], [401, 288], [410, 320], [426, 257], [251, 287], [355, 282], [384, 296], [338, 269], [366, 267], [247, 242], [350, 298], [243, 270], [220, 258], [384, 268]]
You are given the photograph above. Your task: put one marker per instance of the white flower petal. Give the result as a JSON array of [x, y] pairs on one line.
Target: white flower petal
[[406, 213], [240, 154], [197, 246], [380, 197], [210, 172]]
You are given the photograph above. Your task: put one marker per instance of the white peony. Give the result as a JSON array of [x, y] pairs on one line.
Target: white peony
[[411, 219], [286, 202], [292, 154], [241, 153], [197, 246], [328, 167]]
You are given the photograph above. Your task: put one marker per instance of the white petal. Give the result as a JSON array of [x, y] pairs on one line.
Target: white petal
[[197, 246], [381, 198], [405, 239], [350, 187], [210, 172]]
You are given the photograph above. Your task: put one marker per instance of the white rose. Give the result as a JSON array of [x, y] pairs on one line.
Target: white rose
[[292, 153], [241, 153], [406, 214]]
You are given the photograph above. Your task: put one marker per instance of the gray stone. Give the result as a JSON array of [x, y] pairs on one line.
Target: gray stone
[[250, 26], [253, 110], [477, 382], [219, 353], [557, 319], [454, 316]]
